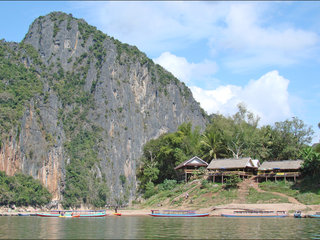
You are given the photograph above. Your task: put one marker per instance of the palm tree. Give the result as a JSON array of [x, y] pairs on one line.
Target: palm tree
[[211, 142]]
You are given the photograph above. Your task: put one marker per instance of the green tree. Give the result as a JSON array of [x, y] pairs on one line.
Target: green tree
[[162, 155], [311, 164], [288, 138], [22, 190], [237, 134], [210, 144]]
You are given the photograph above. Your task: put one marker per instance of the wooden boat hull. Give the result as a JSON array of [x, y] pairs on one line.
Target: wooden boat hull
[[179, 215], [250, 216]]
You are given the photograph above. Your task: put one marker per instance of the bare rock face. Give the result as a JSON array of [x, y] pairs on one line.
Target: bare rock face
[[100, 95]]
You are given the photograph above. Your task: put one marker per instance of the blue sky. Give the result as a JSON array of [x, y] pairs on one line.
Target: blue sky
[[264, 54]]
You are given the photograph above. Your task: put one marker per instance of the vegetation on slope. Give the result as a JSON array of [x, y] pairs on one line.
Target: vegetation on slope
[[235, 136], [18, 84], [22, 190], [225, 137], [305, 191], [201, 194]]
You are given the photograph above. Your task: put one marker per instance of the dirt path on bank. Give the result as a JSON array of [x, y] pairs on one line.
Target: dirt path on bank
[[255, 185], [245, 185]]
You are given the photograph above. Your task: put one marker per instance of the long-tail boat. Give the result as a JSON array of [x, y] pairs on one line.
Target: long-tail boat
[[74, 213], [256, 213], [177, 213], [316, 215]]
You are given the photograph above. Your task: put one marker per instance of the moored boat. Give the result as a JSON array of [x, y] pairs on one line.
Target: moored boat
[[316, 215], [258, 213], [297, 214], [177, 213], [24, 214], [74, 214]]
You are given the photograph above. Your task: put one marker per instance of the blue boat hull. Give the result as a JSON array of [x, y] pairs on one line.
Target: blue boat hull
[[75, 215], [254, 216], [179, 215]]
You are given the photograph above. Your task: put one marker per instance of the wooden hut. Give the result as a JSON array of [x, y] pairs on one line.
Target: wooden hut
[[285, 169], [221, 168], [187, 168]]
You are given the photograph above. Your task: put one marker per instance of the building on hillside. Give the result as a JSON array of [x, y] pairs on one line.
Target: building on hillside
[[219, 169], [186, 169], [286, 169]]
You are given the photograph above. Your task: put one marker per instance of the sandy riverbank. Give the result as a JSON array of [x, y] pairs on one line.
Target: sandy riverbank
[[212, 210], [229, 208]]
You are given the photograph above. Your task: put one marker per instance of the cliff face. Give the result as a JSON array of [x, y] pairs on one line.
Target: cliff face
[[101, 101]]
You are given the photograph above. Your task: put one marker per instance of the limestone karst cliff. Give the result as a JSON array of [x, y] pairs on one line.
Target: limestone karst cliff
[[99, 102]]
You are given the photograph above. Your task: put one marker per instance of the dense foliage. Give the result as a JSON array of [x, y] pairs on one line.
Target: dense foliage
[[22, 190], [161, 155], [311, 164], [82, 184], [224, 137], [18, 84]]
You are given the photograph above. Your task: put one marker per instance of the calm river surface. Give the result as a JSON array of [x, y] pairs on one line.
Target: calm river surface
[[151, 228]]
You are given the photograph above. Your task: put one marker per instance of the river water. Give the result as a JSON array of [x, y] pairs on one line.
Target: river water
[[145, 227]]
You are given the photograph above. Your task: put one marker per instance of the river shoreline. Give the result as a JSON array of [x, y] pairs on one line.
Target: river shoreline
[[214, 211]]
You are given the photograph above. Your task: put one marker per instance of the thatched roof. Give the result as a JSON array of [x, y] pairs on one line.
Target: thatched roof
[[194, 162], [256, 163], [231, 163], [285, 164]]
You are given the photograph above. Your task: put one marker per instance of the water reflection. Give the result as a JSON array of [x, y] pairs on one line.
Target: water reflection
[[151, 228]]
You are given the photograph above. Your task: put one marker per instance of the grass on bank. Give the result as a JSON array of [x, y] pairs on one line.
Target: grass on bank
[[305, 191], [203, 193], [262, 197]]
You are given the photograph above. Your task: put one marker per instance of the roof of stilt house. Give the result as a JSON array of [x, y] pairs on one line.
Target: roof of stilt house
[[256, 163], [283, 165], [194, 162], [231, 163]]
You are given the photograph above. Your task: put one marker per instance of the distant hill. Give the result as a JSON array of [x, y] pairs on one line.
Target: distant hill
[[77, 106]]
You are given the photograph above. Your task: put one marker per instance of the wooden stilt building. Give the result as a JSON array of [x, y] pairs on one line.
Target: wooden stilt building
[[219, 169], [274, 170], [186, 169]]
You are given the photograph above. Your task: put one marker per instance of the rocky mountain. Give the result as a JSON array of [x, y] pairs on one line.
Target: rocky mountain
[[77, 106]]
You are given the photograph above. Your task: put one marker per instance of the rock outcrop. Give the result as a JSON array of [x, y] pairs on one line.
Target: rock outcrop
[[99, 94]]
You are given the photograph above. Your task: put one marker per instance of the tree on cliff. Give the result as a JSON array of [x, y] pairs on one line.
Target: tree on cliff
[[22, 190]]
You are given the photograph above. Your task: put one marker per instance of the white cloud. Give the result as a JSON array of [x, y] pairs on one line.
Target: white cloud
[[241, 32], [185, 71], [155, 27], [253, 44], [267, 97]]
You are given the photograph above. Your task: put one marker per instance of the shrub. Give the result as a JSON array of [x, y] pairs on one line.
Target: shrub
[[22, 190], [167, 185], [150, 190], [232, 181]]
